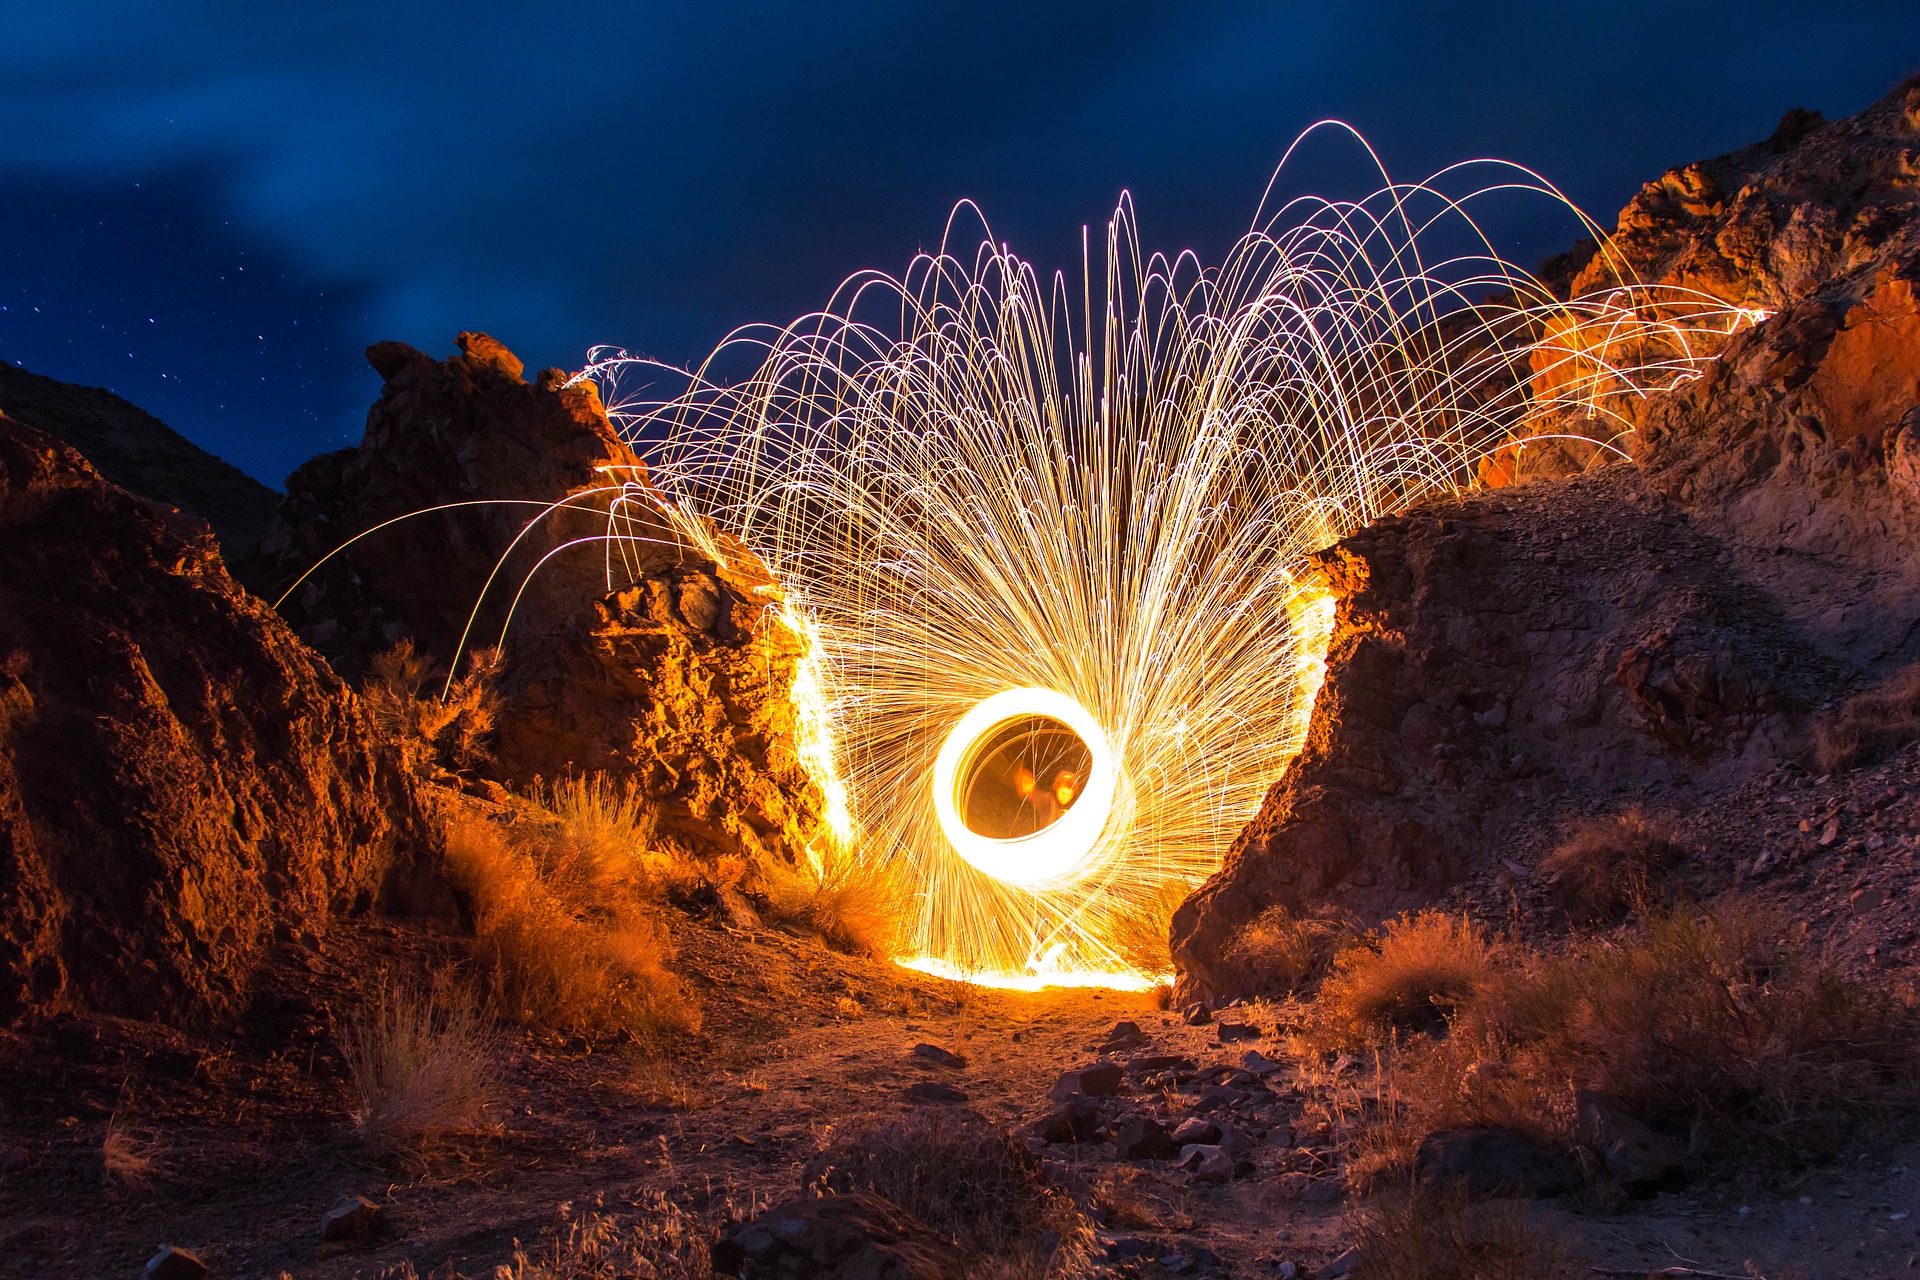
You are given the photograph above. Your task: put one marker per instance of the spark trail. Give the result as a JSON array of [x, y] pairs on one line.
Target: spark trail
[[1052, 539]]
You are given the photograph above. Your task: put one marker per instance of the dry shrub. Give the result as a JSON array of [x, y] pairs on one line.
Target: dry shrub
[[1703, 1025], [1707, 1023], [1608, 867], [565, 941], [1142, 938], [422, 1064], [661, 1242], [851, 903], [128, 1159], [1408, 977], [597, 836], [969, 1180], [1417, 1233], [1870, 726], [436, 725], [1281, 953]]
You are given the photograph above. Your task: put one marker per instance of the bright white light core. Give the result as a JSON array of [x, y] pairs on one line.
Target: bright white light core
[[1057, 853]]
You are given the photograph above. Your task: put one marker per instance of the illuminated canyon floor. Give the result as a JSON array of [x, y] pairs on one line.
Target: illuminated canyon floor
[[249, 1149]]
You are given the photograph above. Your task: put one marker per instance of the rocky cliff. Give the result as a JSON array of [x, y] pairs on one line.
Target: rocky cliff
[[179, 775], [1648, 633], [520, 517]]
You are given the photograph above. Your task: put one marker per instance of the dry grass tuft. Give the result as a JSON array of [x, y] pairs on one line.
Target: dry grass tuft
[[1281, 953], [661, 1242], [1417, 1233], [1609, 867], [1870, 726], [436, 726], [854, 907], [1409, 977], [596, 836], [1143, 938], [968, 1180], [422, 1063], [128, 1159], [566, 933]]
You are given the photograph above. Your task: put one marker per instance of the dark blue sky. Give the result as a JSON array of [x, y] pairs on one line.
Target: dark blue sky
[[212, 207]]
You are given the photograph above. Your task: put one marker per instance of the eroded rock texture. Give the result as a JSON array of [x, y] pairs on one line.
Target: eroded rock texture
[[641, 656], [178, 773], [1638, 633]]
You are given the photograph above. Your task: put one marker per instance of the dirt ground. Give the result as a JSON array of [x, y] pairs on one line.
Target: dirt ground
[[246, 1140]]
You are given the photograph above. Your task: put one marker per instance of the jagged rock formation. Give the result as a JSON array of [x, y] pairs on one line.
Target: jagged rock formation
[[643, 656], [137, 451], [1656, 632], [179, 775]]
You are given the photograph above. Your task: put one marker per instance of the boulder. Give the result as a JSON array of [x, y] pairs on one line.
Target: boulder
[[1143, 1138], [1493, 1162], [1196, 1131], [637, 640], [839, 1237], [353, 1218], [1209, 1165], [1076, 1119], [939, 1057], [175, 1264], [1101, 1080], [1639, 1159], [179, 774]]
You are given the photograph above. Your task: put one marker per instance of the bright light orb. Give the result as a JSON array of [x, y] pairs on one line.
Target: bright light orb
[[1023, 787]]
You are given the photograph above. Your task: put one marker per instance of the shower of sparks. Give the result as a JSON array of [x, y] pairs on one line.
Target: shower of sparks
[[973, 479]]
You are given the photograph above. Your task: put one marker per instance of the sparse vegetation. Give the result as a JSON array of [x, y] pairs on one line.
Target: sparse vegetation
[[1704, 1025], [970, 1181], [661, 1242], [128, 1159], [1606, 868], [1416, 1233], [423, 1063], [437, 725], [1709, 1023], [569, 939], [1281, 953], [851, 904], [1870, 726], [1141, 937], [1408, 977]]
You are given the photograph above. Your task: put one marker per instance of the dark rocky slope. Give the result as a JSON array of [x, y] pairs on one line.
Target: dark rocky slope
[[180, 777], [137, 451], [1655, 633]]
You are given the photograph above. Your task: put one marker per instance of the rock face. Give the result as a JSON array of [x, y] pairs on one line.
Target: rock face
[[178, 773], [1648, 632], [137, 451], [631, 649]]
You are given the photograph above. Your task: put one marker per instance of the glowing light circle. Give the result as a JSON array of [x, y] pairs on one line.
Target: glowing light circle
[[1062, 850]]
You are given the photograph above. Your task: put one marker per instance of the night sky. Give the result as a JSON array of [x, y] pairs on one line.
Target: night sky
[[211, 208]]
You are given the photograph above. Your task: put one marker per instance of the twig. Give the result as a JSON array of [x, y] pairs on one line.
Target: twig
[[1668, 1271]]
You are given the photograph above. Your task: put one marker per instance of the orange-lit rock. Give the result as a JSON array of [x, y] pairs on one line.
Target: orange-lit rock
[[179, 775], [650, 659]]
